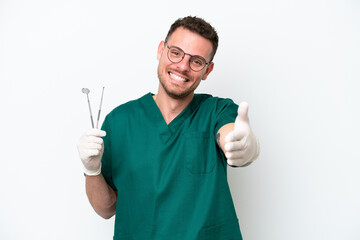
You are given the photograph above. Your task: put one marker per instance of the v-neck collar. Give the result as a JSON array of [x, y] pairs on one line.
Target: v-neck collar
[[166, 130]]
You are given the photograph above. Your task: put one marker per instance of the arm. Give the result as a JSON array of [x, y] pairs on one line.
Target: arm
[[101, 196], [237, 141], [222, 133]]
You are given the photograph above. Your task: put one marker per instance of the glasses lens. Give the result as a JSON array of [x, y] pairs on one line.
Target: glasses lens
[[197, 63], [175, 55]]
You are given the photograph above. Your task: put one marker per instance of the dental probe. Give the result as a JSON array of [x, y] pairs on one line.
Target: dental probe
[[98, 117]]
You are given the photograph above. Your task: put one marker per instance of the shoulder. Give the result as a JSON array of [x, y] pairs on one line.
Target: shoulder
[[210, 102], [127, 109]]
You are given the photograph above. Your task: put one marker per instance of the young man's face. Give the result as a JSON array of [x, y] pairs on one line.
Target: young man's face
[[177, 79]]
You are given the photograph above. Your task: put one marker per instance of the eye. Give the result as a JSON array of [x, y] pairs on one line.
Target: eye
[[197, 61], [175, 52]]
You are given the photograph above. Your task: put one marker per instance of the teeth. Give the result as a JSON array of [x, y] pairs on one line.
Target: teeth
[[176, 77]]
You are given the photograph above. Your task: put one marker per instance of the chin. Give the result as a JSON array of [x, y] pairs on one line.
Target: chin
[[176, 94]]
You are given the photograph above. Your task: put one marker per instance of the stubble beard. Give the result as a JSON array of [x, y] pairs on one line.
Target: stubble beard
[[173, 94]]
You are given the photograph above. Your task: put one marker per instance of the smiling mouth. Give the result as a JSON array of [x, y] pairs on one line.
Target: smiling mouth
[[177, 78]]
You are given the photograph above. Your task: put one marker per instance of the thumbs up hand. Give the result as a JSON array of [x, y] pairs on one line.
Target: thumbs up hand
[[242, 146]]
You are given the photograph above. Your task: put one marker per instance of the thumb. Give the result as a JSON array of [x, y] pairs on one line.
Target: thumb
[[242, 126], [242, 113], [95, 132]]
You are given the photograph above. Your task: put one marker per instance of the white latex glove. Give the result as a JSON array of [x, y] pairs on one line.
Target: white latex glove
[[91, 148], [242, 146]]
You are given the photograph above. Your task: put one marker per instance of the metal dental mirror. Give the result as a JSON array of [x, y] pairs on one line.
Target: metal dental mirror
[[87, 91]]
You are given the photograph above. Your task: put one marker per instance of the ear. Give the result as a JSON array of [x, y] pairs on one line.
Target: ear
[[208, 70], [160, 49]]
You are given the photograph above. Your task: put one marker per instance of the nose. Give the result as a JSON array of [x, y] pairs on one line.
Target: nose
[[184, 65]]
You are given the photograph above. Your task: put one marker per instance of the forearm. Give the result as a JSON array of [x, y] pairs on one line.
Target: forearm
[[222, 133], [101, 196]]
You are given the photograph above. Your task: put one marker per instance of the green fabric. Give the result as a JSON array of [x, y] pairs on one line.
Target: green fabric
[[171, 179]]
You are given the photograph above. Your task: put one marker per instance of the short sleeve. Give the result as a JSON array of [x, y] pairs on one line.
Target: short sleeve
[[226, 112], [106, 158]]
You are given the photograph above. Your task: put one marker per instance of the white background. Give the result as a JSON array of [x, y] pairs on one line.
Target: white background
[[296, 63]]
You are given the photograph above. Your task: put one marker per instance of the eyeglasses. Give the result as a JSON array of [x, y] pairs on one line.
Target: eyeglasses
[[176, 55]]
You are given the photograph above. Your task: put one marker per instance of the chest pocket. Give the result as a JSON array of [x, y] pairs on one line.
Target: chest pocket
[[199, 158]]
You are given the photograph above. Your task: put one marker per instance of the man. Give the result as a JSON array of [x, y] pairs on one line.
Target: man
[[161, 168]]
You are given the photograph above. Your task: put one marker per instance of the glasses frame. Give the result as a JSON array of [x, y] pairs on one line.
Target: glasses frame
[[191, 56]]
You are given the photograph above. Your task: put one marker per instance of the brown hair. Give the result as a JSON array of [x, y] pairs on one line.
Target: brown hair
[[199, 26]]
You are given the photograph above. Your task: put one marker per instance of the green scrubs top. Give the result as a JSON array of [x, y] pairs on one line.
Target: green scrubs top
[[170, 179]]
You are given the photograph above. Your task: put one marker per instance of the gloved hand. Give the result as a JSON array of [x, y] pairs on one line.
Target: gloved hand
[[91, 148], [242, 146]]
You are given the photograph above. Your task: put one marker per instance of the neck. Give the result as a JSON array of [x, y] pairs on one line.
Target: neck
[[171, 107]]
